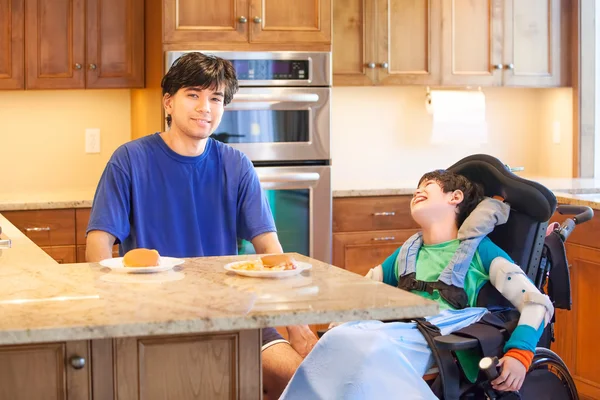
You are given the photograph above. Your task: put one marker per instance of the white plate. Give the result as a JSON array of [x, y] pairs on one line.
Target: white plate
[[301, 266], [166, 263]]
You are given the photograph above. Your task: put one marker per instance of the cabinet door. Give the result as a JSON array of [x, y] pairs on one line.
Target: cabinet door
[[360, 251], [536, 45], [472, 42], [12, 44], [115, 44], [44, 371], [55, 44], [276, 21], [354, 62], [211, 366], [62, 254], [409, 39], [205, 21]]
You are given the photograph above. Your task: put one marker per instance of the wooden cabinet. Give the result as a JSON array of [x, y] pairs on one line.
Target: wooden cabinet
[[61, 232], [576, 341], [506, 43], [52, 230], [45, 371], [367, 230], [452, 43], [58, 32], [12, 44], [394, 42], [253, 21], [206, 366]]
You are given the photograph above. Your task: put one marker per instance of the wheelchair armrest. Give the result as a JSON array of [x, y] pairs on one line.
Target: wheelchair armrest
[[321, 332], [455, 342]]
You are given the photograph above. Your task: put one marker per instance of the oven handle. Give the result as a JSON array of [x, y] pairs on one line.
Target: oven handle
[[297, 177], [288, 98]]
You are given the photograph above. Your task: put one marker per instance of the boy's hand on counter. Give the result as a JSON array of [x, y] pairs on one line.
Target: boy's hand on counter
[[301, 338]]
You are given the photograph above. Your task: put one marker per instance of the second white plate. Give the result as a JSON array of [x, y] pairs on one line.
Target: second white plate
[[302, 266]]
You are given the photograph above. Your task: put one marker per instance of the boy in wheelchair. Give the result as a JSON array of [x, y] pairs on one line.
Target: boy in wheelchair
[[449, 261]]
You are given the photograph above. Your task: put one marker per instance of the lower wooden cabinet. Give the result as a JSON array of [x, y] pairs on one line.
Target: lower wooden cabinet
[[203, 366], [62, 254], [49, 371], [360, 251]]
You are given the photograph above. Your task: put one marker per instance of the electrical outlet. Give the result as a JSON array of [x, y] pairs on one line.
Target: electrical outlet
[[556, 132], [92, 140]]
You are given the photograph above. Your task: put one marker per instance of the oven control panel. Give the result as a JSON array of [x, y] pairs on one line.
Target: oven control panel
[[261, 70]]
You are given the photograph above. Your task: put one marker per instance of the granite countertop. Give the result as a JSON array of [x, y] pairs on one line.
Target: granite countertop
[[47, 200], [576, 191], [42, 301]]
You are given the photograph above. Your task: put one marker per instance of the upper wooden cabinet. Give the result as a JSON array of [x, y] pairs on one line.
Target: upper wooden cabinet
[[452, 43], [12, 44], [73, 44], [254, 21]]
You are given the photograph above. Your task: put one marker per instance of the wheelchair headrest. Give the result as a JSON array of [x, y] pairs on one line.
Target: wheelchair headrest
[[524, 196]]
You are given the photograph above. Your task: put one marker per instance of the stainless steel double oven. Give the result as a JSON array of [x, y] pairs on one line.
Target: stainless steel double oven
[[281, 119]]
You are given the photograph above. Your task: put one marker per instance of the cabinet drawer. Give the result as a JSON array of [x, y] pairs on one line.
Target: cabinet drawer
[[82, 217], [351, 214], [45, 227], [360, 251], [62, 254]]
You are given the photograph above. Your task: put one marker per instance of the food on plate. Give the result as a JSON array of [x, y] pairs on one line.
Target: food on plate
[[277, 262], [139, 258]]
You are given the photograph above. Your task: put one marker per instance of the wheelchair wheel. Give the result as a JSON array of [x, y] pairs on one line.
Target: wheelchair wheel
[[548, 378]]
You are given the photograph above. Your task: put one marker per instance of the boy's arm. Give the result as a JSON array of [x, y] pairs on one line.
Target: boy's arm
[[386, 271], [536, 311], [375, 274]]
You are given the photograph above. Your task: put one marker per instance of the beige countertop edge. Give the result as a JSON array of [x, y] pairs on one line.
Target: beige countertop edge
[[43, 205], [12, 337]]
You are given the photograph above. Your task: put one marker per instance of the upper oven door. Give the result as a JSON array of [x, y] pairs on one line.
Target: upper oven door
[[278, 124]]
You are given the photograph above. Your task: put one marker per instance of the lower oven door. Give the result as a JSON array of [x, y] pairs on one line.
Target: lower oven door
[[300, 200]]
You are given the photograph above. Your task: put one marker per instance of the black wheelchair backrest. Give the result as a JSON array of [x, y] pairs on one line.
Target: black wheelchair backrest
[[532, 206]]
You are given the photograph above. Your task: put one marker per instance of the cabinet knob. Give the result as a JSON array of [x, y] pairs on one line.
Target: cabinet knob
[[257, 20], [243, 20], [93, 66], [384, 65], [77, 362], [509, 66], [371, 65], [77, 66], [498, 66]]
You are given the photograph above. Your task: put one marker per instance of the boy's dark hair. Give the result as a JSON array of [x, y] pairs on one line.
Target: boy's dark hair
[[195, 69], [449, 182]]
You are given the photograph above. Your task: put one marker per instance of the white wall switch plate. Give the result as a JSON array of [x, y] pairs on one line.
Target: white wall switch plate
[[92, 140]]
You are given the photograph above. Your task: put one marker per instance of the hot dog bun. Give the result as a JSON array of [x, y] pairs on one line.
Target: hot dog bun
[[138, 258], [279, 261]]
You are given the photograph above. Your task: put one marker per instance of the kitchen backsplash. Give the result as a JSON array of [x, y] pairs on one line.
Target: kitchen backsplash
[[380, 135], [42, 139]]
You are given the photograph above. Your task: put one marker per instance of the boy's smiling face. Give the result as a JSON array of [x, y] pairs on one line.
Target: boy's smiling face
[[430, 203]]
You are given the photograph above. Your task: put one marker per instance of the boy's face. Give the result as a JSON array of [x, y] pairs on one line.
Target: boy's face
[[430, 204], [195, 112]]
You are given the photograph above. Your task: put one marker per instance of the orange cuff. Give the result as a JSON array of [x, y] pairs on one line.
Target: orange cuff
[[524, 356]]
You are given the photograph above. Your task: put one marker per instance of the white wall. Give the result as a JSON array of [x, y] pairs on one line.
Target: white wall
[[381, 135]]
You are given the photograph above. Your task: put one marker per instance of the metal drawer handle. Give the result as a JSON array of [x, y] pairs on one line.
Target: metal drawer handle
[[385, 214], [383, 239], [43, 229]]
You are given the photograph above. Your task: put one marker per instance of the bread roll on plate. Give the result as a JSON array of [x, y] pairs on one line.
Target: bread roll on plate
[[140, 258]]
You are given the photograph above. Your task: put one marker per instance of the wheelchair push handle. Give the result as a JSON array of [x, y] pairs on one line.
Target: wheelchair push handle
[[582, 213], [489, 365]]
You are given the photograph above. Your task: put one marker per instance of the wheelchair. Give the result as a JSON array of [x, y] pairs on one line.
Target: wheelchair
[[541, 254]]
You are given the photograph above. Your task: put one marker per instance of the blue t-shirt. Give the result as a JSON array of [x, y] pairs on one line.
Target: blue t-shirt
[[150, 196]]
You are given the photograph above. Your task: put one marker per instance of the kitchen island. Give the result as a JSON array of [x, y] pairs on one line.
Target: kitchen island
[[193, 332]]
